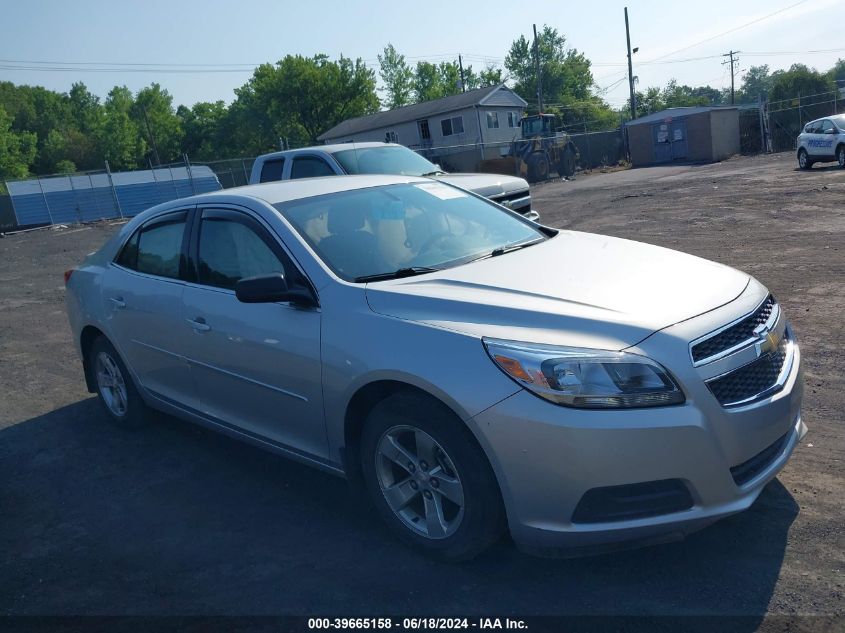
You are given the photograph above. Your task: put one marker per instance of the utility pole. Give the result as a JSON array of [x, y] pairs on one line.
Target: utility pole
[[733, 73], [539, 76], [152, 138], [461, 66], [630, 70]]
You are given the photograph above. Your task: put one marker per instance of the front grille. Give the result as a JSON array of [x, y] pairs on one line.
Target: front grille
[[632, 501], [749, 469], [508, 198], [735, 334], [754, 380]]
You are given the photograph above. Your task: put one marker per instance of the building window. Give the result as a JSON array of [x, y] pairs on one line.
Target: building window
[[513, 119], [391, 137], [492, 119], [453, 125]]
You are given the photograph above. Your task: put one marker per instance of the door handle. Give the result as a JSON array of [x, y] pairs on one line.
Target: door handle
[[199, 324], [118, 303]]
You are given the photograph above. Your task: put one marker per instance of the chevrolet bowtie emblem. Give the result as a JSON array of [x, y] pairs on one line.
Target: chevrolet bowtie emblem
[[769, 343]]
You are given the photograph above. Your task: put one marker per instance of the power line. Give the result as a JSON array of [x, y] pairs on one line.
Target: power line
[[733, 30]]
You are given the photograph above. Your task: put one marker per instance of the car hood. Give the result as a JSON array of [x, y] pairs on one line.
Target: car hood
[[486, 185], [575, 289]]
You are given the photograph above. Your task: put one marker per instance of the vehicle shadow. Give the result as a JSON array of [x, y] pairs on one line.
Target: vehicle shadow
[[173, 519]]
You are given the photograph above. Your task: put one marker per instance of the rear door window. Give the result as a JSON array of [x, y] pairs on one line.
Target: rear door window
[[156, 247], [271, 170], [310, 167]]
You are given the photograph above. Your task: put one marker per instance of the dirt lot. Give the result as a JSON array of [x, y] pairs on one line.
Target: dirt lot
[[177, 520]]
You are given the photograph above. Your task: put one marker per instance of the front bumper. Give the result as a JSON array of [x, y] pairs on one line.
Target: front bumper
[[547, 458]]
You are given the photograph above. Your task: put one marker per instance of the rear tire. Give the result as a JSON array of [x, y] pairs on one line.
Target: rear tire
[[115, 389], [804, 161], [428, 478]]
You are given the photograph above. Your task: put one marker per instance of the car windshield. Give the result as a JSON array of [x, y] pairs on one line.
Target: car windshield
[[389, 159], [839, 120], [404, 229]]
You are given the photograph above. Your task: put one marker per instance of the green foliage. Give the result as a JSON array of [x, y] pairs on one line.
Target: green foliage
[[153, 114], [673, 95], [567, 82], [434, 81], [837, 73], [799, 80], [756, 82], [17, 149], [301, 97], [490, 76], [202, 124], [65, 167], [398, 78], [119, 138]]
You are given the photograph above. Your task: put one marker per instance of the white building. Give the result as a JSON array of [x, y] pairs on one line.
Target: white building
[[457, 131]]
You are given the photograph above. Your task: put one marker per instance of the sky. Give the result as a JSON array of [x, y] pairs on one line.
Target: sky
[[107, 42]]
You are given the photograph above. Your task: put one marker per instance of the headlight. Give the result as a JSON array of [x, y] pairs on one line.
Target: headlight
[[586, 378]]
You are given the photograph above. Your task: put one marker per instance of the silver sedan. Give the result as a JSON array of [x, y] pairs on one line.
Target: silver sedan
[[467, 368]]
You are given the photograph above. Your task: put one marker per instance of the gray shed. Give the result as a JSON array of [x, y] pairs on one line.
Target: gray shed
[[700, 133]]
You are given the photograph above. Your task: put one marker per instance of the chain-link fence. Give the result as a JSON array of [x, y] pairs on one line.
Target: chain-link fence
[[787, 117]]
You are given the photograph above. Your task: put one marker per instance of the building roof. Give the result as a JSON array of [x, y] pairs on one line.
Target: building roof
[[677, 113], [414, 112]]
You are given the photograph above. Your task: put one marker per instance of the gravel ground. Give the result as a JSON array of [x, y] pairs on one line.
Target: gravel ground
[[177, 520]]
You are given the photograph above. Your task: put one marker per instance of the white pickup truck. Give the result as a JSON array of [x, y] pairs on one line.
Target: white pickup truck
[[387, 158]]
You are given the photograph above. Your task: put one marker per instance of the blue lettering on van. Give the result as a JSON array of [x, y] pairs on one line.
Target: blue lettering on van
[[817, 143]]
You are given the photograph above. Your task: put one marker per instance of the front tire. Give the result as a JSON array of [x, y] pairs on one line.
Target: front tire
[[804, 161], [428, 478], [840, 156], [115, 389], [567, 164], [538, 167]]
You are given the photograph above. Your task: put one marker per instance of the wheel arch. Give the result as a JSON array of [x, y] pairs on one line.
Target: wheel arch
[[368, 396], [89, 334]]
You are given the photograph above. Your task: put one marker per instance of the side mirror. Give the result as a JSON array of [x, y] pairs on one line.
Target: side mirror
[[271, 289], [830, 131]]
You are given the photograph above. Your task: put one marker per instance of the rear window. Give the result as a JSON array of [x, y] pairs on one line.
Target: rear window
[[156, 247], [271, 170]]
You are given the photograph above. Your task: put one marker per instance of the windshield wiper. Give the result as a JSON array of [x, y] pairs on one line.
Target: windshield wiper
[[514, 247], [432, 173], [397, 274]]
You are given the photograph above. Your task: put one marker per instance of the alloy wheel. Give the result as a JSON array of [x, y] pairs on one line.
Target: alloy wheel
[[111, 385], [802, 160], [841, 156], [419, 482]]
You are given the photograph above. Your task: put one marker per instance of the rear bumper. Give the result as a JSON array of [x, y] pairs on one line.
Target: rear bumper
[[547, 458]]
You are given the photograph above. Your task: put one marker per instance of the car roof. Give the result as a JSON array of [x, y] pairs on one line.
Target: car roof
[[836, 118], [328, 149], [287, 190]]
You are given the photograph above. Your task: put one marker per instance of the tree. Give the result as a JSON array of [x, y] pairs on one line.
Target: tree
[[202, 124], [398, 78], [565, 72], [17, 149], [153, 115], [837, 73], [567, 81], [800, 80], [756, 81], [300, 98], [434, 81], [119, 138], [490, 76]]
